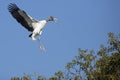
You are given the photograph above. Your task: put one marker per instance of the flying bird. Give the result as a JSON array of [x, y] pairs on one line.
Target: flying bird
[[27, 21]]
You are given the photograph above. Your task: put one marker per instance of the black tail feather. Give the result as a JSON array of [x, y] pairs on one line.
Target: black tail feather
[[30, 35]]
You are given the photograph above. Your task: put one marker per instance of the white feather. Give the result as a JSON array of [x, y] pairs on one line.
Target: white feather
[[38, 28]]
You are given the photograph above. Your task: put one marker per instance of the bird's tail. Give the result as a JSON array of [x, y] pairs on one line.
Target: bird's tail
[[30, 35]]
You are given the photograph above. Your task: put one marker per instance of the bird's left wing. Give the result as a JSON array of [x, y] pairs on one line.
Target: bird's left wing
[[21, 16]]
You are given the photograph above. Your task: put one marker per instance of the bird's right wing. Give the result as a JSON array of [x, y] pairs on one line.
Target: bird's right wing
[[21, 16]]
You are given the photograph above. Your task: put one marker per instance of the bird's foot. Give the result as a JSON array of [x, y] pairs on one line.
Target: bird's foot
[[42, 48], [33, 38]]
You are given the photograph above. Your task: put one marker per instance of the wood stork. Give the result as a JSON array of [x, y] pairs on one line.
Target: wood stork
[[27, 21]]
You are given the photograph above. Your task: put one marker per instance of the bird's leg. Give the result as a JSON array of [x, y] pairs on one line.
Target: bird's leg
[[41, 46], [33, 35], [40, 33]]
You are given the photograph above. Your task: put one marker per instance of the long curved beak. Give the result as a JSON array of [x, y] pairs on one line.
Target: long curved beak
[[56, 21]]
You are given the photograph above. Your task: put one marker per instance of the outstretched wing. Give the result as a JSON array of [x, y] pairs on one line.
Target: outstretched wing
[[21, 16]]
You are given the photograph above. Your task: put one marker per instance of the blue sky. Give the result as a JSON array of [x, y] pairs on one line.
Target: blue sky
[[82, 24]]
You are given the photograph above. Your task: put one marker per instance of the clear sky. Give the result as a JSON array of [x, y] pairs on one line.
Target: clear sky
[[83, 24]]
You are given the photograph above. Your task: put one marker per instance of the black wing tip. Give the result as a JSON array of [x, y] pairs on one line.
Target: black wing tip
[[12, 4], [12, 7]]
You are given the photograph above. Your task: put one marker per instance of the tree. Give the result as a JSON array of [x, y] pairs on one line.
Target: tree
[[90, 65], [81, 64], [108, 64], [104, 65], [112, 69]]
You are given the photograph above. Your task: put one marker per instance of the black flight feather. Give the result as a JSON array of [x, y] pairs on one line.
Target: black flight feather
[[21, 16]]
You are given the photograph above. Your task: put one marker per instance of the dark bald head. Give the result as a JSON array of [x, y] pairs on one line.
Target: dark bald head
[[51, 18]]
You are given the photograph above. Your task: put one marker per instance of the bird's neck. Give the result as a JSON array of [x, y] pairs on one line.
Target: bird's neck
[[47, 20], [43, 22]]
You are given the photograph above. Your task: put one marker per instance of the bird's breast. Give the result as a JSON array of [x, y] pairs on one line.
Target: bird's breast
[[39, 25]]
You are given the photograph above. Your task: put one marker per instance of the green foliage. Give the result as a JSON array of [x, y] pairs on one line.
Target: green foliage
[[103, 65], [90, 65], [114, 41], [53, 78], [15, 78], [108, 64], [41, 78], [59, 74], [113, 66], [81, 64]]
